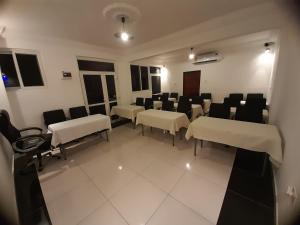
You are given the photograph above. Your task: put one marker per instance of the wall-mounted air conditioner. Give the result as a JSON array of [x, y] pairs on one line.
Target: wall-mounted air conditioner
[[208, 57]]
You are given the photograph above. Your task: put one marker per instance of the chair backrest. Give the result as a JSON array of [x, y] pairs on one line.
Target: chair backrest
[[219, 110], [148, 103], [164, 97], [167, 105], [78, 112], [7, 129], [255, 95], [155, 97], [184, 98], [232, 102], [174, 95], [256, 103], [249, 114], [139, 101], [185, 107], [206, 95], [166, 94], [54, 116], [238, 96], [198, 100]]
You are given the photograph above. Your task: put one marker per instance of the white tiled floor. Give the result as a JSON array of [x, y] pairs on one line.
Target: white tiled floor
[[137, 180]]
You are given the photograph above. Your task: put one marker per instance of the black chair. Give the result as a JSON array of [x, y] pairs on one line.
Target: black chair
[[233, 101], [164, 98], [198, 100], [156, 97], [78, 112], [185, 107], [184, 98], [139, 101], [239, 96], [34, 144], [219, 110], [249, 114], [167, 105], [174, 95], [148, 103], [166, 94], [256, 103], [54, 116], [255, 95], [206, 96]]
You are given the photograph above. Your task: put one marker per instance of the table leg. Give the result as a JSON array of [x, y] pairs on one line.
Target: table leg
[[107, 138], [195, 147], [201, 143], [63, 151], [173, 140], [142, 129], [180, 131], [151, 129]]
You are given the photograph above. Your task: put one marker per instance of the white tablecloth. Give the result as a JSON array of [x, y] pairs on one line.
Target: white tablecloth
[[207, 103], [157, 104], [172, 99], [171, 121], [250, 136], [196, 110], [70, 130], [126, 111], [265, 114]]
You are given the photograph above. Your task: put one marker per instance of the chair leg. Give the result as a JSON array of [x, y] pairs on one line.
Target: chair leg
[[40, 163]]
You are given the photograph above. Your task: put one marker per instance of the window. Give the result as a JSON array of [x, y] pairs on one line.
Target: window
[[111, 88], [93, 87], [156, 84], [135, 78], [8, 70], [29, 70], [144, 78], [89, 65], [20, 69], [154, 70]]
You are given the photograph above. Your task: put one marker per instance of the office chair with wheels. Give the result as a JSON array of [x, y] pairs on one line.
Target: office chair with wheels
[[32, 145]]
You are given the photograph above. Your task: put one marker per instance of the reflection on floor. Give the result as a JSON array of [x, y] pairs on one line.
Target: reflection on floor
[[137, 180]]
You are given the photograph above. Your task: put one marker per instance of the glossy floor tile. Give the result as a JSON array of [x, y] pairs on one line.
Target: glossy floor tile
[[137, 180]]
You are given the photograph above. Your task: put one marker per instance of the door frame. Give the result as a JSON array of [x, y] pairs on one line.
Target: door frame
[[102, 75]]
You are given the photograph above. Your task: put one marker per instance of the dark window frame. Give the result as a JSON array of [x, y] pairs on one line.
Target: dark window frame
[[14, 53]]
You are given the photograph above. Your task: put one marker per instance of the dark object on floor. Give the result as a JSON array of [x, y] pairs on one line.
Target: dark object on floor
[[249, 199]]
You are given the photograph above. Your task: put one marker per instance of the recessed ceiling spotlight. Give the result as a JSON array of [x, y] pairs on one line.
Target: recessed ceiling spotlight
[[267, 46], [123, 34], [192, 54]]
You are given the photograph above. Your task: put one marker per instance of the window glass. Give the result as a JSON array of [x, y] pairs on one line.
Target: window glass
[[8, 70]]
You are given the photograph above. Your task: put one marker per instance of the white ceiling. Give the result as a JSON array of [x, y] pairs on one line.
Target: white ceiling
[[82, 20]]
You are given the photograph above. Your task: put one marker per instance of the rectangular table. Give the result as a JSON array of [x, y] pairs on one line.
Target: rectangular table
[[196, 110], [171, 121], [126, 111], [250, 136], [70, 130]]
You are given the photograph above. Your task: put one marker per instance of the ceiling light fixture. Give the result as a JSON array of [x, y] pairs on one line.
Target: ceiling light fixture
[[192, 54], [267, 46], [123, 35]]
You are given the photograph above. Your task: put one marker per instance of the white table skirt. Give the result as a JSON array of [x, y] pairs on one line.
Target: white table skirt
[[70, 130], [171, 121], [157, 104], [172, 99], [250, 136], [265, 114], [196, 110], [126, 111]]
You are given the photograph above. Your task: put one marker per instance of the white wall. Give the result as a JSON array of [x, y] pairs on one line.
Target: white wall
[[242, 70], [56, 56], [285, 110]]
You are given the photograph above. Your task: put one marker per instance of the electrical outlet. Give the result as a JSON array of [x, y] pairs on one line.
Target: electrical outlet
[[291, 192]]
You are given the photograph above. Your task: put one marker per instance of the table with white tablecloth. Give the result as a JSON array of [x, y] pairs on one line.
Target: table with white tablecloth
[[196, 110], [251, 136], [265, 114], [70, 130], [165, 120], [126, 111]]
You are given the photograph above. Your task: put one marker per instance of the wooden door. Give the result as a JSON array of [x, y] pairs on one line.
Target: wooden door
[[191, 83]]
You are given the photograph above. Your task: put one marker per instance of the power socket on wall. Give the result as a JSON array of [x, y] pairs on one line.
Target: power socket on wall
[[292, 192]]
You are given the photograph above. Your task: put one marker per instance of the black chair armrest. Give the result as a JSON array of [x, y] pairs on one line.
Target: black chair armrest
[[31, 128], [39, 140]]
